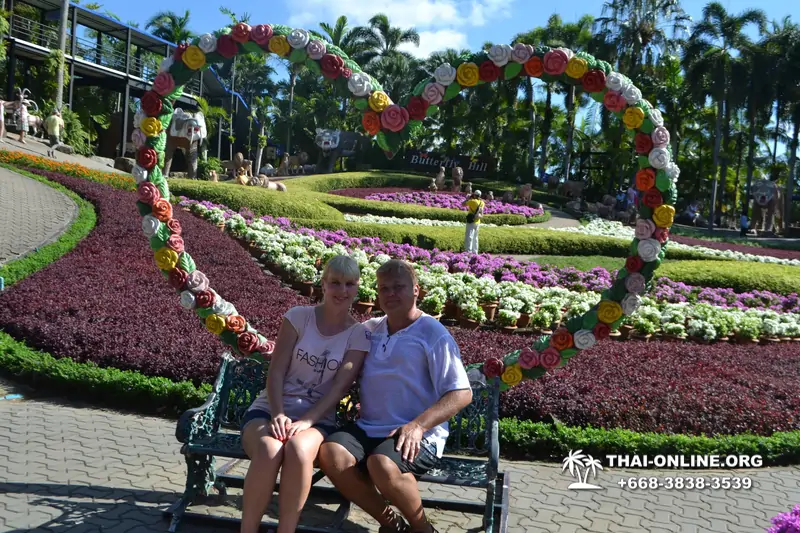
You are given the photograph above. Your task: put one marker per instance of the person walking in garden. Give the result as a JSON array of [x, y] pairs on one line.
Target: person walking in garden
[[412, 383], [475, 206], [54, 125], [318, 355]]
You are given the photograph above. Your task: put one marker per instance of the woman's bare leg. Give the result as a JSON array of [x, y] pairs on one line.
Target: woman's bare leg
[[266, 456], [298, 468]]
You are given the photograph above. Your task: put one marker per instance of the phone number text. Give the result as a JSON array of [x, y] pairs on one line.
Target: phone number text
[[686, 483]]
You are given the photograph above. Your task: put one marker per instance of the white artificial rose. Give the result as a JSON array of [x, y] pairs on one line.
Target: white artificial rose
[[500, 54], [630, 303], [584, 339], [445, 74], [614, 81], [150, 225], [298, 38], [632, 94], [673, 171], [359, 84], [570, 53], [659, 158], [207, 43], [138, 117], [649, 250], [656, 118], [188, 300], [139, 173], [166, 64]]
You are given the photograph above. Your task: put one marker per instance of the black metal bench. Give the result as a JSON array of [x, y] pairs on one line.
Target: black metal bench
[[212, 430]]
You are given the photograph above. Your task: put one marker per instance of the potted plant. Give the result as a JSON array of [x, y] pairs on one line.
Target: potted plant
[[305, 277], [643, 329], [701, 331], [769, 331], [433, 303], [488, 297], [541, 321], [625, 328], [471, 316], [507, 320], [673, 332], [366, 299], [748, 330], [528, 308]]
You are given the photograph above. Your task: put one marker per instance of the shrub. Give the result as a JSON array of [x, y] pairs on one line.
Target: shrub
[[741, 277], [205, 166], [755, 250]]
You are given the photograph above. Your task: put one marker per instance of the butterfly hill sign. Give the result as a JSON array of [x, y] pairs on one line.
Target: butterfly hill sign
[[429, 162]]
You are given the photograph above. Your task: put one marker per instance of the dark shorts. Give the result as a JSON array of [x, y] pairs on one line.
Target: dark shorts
[[258, 414], [53, 140], [360, 445]]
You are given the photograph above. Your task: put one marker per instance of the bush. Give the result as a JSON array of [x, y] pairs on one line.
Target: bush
[[205, 166], [742, 277]]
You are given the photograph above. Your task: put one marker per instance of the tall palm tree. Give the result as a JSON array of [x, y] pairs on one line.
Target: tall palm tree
[[382, 39], [62, 44], [265, 111], [170, 26], [350, 40]]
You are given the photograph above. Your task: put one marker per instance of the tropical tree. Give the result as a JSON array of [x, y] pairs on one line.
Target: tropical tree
[[381, 39], [170, 26]]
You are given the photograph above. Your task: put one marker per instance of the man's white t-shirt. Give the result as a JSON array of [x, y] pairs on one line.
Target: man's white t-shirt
[[406, 373]]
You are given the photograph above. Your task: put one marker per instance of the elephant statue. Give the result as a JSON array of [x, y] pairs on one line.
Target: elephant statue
[[767, 202], [187, 131], [525, 192], [334, 144], [572, 188]]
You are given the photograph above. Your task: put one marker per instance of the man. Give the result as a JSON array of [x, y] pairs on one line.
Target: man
[[54, 126], [474, 213], [411, 384]]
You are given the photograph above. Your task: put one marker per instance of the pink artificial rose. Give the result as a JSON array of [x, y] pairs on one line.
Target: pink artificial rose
[[661, 235], [433, 93], [175, 242], [660, 137], [346, 73], [138, 138], [550, 358], [316, 49], [394, 118], [529, 359], [521, 53], [164, 83], [614, 101], [196, 282], [555, 62], [148, 193], [174, 226], [635, 283], [261, 34], [644, 229]]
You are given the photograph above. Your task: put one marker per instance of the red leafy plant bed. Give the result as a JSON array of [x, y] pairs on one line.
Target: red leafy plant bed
[[754, 250], [366, 191]]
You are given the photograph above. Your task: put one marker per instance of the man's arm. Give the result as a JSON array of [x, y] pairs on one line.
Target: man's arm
[[443, 410]]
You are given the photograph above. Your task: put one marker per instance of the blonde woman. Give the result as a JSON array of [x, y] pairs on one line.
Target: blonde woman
[[318, 355]]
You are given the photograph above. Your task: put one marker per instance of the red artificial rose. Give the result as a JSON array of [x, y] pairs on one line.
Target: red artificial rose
[[550, 358], [417, 108], [346, 73], [634, 263], [529, 359], [247, 342], [643, 142], [241, 32], [205, 298], [178, 55], [175, 243], [174, 226], [652, 198], [227, 47], [261, 34], [177, 278], [601, 331], [594, 81], [488, 71], [331, 66], [151, 104], [147, 157], [148, 193], [266, 348], [661, 235], [493, 368]]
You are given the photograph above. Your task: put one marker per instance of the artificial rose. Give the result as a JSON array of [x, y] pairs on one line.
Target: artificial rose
[[146, 157], [331, 66], [488, 71], [613, 101], [555, 62], [359, 84], [164, 83], [174, 226], [151, 104], [643, 143], [138, 138], [150, 225], [660, 137], [608, 311], [197, 282], [236, 323], [316, 49], [632, 94], [371, 122], [207, 43], [561, 339], [633, 263], [298, 38], [673, 171], [138, 117], [417, 108], [601, 331], [594, 81], [162, 210], [615, 82], [188, 300], [644, 229], [247, 342], [584, 339], [634, 283], [261, 34], [279, 45], [534, 67], [178, 55], [166, 259], [645, 179], [633, 117], [499, 54], [194, 57], [656, 118], [221, 307], [550, 358], [652, 198], [394, 118], [215, 324], [521, 53], [177, 278], [165, 64], [493, 367], [175, 242], [346, 73], [663, 216], [467, 74], [512, 375], [659, 157], [241, 32], [151, 126], [661, 235], [570, 54], [206, 298], [148, 193], [630, 303], [576, 68], [528, 358], [379, 101], [266, 348], [227, 47], [445, 74], [649, 250], [433, 93], [139, 174]]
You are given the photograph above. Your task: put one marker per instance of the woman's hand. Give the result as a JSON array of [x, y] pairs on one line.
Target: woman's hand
[[280, 426], [298, 426]]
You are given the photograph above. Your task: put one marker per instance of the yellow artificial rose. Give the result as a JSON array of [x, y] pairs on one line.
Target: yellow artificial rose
[[166, 259], [664, 215], [379, 101], [151, 126], [279, 45], [577, 67], [512, 375], [215, 324], [609, 311], [467, 74], [633, 117], [193, 57]]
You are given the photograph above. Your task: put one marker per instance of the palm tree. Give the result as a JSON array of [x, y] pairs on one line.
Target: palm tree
[[62, 44], [264, 111], [382, 39], [170, 26], [350, 40]]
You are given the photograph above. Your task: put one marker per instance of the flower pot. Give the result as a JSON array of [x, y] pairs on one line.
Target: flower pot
[[786, 339], [451, 309], [422, 293], [699, 340], [437, 317], [614, 335], [509, 329], [625, 332], [673, 338], [769, 340], [305, 288], [489, 309], [745, 340], [363, 307], [723, 339], [523, 320], [221, 226], [466, 323], [636, 336]]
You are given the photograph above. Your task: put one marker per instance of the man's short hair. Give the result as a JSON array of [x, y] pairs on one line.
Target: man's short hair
[[397, 267]]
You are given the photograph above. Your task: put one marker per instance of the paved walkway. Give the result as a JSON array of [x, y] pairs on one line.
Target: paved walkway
[[71, 468], [38, 147], [558, 219]]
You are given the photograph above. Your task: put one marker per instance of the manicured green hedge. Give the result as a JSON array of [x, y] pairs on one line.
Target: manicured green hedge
[[741, 276]]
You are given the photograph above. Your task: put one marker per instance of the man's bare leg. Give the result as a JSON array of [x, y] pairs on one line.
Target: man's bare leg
[[400, 489]]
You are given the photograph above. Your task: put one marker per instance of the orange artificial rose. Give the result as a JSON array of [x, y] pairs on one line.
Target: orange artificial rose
[[645, 179], [162, 210], [534, 67], [236, 323], [371, 122], [561, 339]]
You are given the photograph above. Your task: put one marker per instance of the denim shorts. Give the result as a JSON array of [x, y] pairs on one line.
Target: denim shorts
[[259, 414]]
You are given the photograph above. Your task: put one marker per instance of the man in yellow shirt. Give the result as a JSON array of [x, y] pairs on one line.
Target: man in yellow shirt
[[474, 213], [55, 127]]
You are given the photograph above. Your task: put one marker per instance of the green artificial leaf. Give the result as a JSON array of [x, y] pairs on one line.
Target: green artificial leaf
[[313, 66], [393, 141], [186, 263], [163, 232], [590, 319], [643, 161], [599, 96], [380, 138], [298, 55], [230, 338], [533, 373], [512, 70], [645, 212], [204, 312], [432, 110], [420, 87], [251, 47], [361, 103], [352, 65], [143, 208], [663, 183], [214, 58], [567, 354], [575, 324], [452, 91], [647, 126], [414, 126], [156, 242]]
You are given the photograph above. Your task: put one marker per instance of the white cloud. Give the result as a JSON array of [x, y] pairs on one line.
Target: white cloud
[[434, 41]]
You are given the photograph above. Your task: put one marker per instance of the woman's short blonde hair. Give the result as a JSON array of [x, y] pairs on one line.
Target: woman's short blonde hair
[[344, 266]]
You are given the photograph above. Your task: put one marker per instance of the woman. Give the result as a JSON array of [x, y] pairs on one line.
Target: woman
[[318, 355]]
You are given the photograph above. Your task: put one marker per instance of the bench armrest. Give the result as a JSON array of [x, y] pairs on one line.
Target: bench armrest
[[198, 422], [493, 434]]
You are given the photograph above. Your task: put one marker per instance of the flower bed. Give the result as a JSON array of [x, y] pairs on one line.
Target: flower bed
[[738, 248], [363, 192], [374, 219], [454, 201]]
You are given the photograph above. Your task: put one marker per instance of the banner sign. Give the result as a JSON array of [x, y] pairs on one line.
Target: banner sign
[[429, 162]]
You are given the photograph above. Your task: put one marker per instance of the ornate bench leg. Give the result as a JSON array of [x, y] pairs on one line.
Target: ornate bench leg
[[488, 513], [200, 477]]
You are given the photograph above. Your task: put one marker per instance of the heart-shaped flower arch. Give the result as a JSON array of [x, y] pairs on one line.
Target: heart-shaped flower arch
[[391, 124]]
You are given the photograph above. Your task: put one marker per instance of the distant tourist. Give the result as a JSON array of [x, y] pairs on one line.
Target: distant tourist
[[475, 208], [744, 222], [54, 125]]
